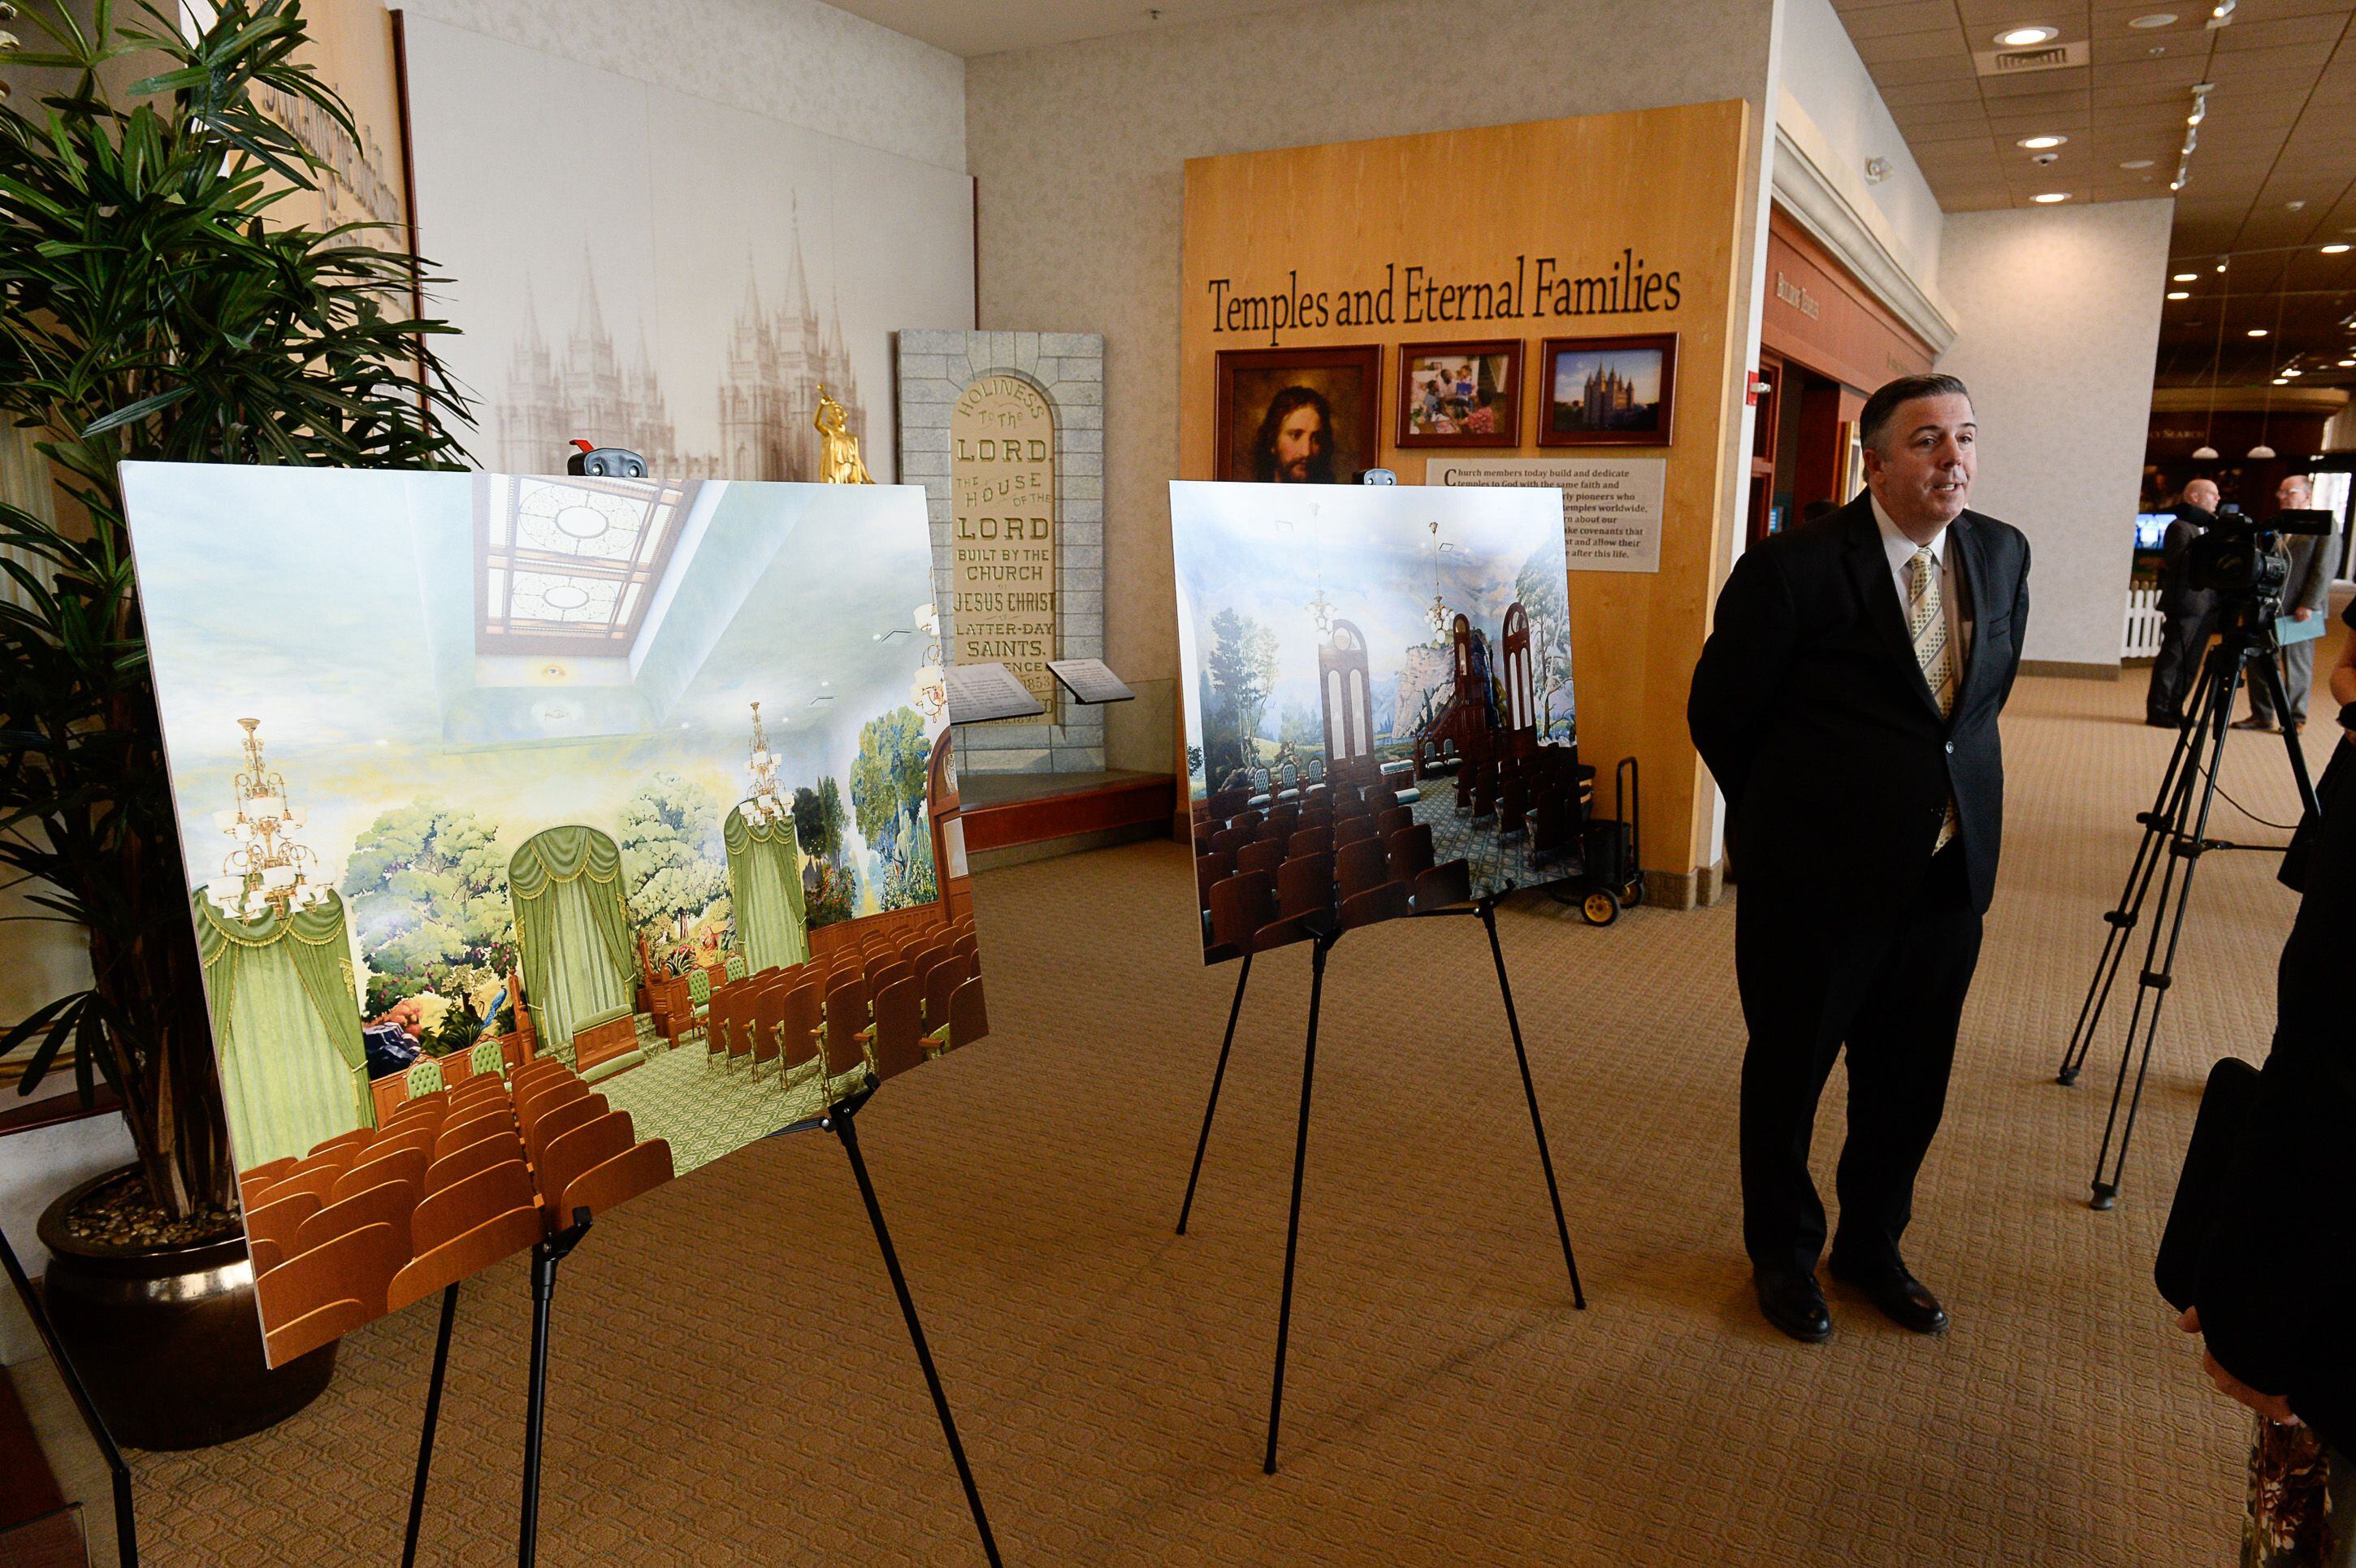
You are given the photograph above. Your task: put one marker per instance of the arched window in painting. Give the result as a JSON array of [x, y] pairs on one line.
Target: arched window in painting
[[1521, 688], [1349, 695]]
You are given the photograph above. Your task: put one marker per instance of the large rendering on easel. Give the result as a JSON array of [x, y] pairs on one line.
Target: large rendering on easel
[[1467, 750], [549, 837]]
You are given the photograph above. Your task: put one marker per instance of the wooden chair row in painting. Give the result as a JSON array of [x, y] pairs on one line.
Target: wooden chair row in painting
[[1358, 883], [886, 1006], [1251, 841], [1543, 794], [369, 1222], [1318, 783]]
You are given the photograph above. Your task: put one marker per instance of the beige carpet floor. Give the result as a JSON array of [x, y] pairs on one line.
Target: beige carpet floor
[[733, 1385]]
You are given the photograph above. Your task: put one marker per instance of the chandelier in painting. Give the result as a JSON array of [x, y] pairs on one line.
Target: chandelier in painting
[[766, 804], [930, 688], [267, 871]]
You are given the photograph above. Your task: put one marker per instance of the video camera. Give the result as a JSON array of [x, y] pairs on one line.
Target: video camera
[[2241, 560]]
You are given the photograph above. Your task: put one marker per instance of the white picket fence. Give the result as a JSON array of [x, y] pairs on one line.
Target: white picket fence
[[2144, 623]]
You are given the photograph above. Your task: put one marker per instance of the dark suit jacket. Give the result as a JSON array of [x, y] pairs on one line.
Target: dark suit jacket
[[2177, 597], [1812, 713], [2278, 1272]]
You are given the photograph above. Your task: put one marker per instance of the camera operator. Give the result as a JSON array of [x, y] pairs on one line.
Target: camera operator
[[2187, 613], [2276, 1294], [2305, 594]]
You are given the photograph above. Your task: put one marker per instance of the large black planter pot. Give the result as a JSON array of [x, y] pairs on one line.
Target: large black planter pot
[[167, 1340]]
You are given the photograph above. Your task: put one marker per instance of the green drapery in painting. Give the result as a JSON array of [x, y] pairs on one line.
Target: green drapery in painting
[[286, 1023], [565, 885], [765, 885]]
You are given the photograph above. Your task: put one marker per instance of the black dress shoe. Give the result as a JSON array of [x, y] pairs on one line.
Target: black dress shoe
[[1898, 1295], [2264, 727], [2160, 721], [1796, 1304]]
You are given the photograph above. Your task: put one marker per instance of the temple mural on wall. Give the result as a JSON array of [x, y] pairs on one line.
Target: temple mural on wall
[[645, 268]]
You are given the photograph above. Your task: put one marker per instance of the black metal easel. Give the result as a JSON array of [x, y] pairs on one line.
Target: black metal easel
[[126, 1529], [2174, 830], [546, 1253], [1325, 933]]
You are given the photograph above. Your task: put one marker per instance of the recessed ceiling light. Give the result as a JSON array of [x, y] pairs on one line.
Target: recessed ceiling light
[[2156, 19], [2038, 143], [2258, 331], [2335, 250], [2021, 38], [2137, 163], [2290, 372], [2280, 383], [2049, 198], [2348, 364], [2184, 277], [2177, 293]]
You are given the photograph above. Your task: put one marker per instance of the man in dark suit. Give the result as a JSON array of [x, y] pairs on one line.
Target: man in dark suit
[[1846, 701], [2307, 594], [2187, 614]]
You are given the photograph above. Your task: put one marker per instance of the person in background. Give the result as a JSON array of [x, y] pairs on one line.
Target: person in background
[[2187, 614], [2307, 594], [1846, 701], [2277, 1273]]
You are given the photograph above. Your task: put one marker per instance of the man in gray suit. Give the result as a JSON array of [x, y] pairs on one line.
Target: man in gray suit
[[2307, 594]]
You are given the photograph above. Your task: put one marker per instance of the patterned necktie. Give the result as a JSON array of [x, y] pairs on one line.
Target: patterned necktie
[[1926, 623]]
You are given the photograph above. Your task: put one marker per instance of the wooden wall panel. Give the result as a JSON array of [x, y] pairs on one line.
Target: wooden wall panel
[[1662, 185]]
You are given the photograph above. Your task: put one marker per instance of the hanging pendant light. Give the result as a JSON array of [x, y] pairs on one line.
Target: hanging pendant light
[[2262, 453], [2205, 452]]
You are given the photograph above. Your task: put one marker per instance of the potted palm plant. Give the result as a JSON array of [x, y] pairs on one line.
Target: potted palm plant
[[150, 307]]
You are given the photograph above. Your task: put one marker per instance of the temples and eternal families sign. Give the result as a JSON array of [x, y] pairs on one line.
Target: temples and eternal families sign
[[1003, 529], [1610, 506], [1005, 431]]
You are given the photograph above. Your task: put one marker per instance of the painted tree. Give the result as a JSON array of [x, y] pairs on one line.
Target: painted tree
[[830, 884], [1541, 589], [427, 886], [887, 800], [673, 866], [1240, 673]]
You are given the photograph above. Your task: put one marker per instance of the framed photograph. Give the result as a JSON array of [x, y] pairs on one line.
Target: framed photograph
[[1608, 392], [1461, 394], [1299, 415]]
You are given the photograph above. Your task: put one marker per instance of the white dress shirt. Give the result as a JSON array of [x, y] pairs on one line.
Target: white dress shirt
[[1901, 551]]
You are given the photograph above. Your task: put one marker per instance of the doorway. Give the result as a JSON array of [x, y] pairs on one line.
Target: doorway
[[1802, 452]]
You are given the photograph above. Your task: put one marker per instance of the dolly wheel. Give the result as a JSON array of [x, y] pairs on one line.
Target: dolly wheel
[[1633, 894], [1600, 908]]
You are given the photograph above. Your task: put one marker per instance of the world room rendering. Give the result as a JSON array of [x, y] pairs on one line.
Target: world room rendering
[[611, 776]]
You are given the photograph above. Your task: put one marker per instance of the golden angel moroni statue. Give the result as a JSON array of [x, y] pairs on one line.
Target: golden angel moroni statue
[[838, 449]]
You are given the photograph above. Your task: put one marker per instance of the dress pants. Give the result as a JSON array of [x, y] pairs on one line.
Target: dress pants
[[2297, 670], [1890, 986], [2176, 669]]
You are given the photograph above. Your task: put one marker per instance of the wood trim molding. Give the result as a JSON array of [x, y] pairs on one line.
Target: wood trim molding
[[1812, 194]]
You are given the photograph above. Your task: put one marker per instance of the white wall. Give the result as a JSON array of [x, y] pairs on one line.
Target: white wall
[[799, 61], [2059, 311], [1823, 73]]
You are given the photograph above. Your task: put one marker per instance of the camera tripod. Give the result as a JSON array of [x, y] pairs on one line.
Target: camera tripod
[[2175, 831]]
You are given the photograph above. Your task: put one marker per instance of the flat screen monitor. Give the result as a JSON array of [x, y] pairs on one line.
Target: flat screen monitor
[[2151, 529]]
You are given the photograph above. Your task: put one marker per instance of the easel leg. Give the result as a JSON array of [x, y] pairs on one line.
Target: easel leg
[[1299, 1165], [844, 1125], [1529, 1089], [433, 1416], [545, 1256], [1219, 1076]]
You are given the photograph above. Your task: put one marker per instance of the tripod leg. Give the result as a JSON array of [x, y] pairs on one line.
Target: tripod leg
[[2186, 845], [433, 1416], [846, 1128], [2123, 917], [1292, 1227], [1218, 1075], [1529, 1090]]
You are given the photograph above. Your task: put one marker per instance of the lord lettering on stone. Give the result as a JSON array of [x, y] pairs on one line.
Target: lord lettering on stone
[[1002, 575]]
